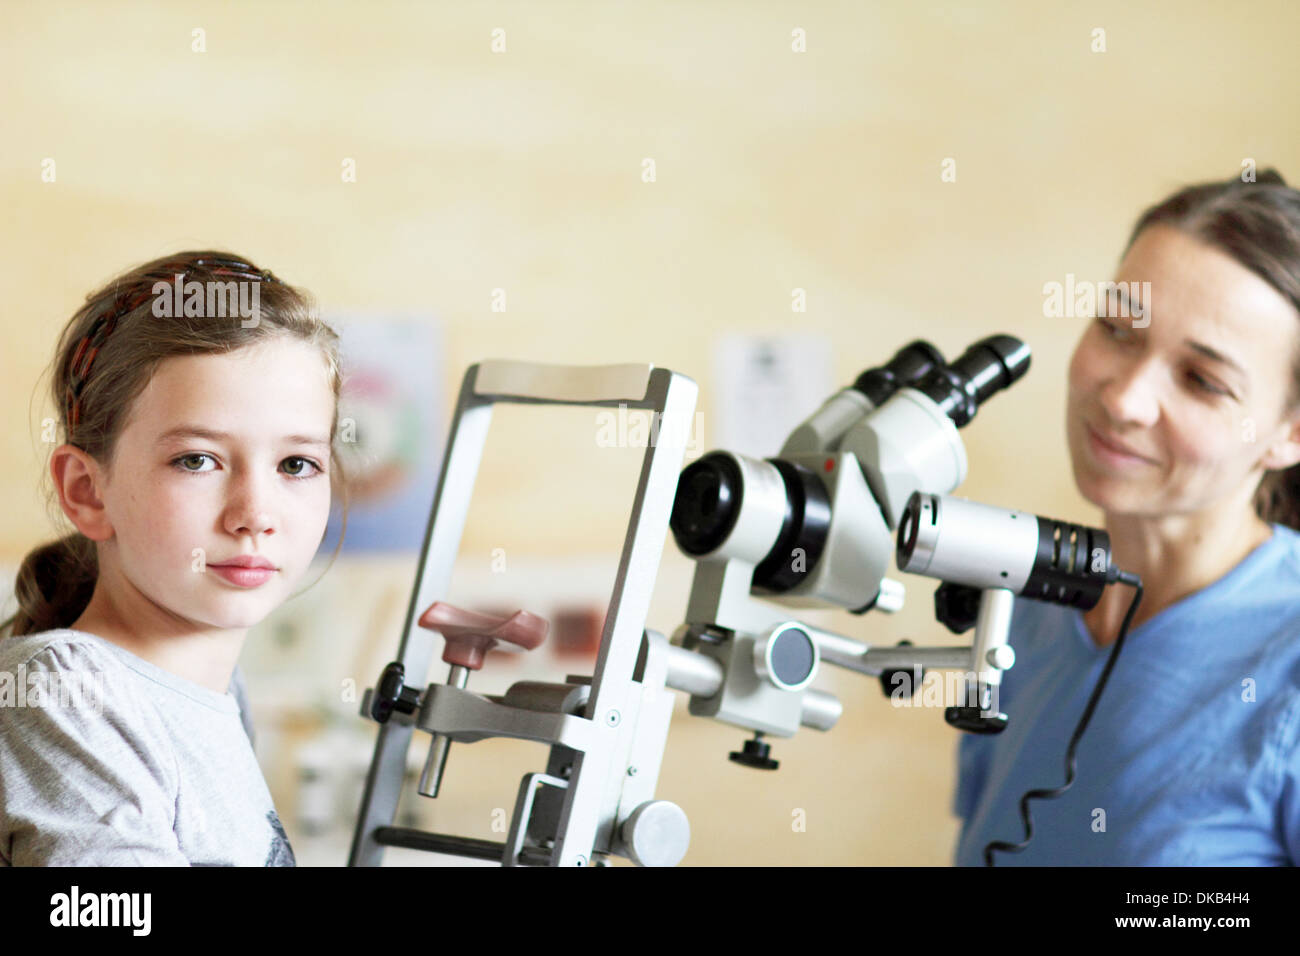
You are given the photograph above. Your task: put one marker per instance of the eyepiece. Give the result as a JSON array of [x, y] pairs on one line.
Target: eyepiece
[[985, 368], [910, 364], [709, 494]]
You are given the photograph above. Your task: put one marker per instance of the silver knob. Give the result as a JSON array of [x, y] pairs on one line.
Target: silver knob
[[891, 596], [786, 656], [1001, 657], [657, 834]]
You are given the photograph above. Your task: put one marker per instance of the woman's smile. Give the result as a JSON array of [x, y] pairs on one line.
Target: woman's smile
[[1110, 455]]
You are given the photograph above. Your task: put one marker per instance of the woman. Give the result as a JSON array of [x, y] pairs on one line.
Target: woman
[[1184, 428]]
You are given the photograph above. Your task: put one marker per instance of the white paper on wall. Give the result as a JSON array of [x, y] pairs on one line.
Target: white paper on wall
[[764, 386]]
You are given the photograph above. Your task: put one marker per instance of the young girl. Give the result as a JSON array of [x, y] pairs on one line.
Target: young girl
[[1183, 424], [198, 396]]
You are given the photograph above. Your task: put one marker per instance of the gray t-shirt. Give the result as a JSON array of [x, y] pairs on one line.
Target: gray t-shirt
[[109, 760]]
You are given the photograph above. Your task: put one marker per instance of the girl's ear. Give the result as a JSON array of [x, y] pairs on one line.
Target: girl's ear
[[79, 481]]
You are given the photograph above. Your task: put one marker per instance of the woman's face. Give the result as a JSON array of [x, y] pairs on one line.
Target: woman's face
[[1201, 428], [181, 503]]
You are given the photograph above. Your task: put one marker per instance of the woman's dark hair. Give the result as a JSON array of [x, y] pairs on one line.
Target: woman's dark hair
[[104, 359], [1258, 224]]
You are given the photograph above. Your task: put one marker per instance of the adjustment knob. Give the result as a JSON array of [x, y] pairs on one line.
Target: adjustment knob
[[657, 834], [1003, 657], [755, 754], [957, 606], [982, 719], [786, 656], [392, 695], [891, 596], [910, 684], [975, 721]]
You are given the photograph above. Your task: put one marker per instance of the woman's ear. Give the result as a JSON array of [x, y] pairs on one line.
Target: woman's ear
[[1284, 452], [79, 481]]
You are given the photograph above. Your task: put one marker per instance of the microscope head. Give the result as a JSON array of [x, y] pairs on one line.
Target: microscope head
[[814, 524]]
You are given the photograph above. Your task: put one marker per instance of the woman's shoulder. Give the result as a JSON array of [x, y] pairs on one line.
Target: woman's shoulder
[[1272, 596], [1286, 545]]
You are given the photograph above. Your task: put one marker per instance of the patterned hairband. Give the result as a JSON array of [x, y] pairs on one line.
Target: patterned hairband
[[102, 327]]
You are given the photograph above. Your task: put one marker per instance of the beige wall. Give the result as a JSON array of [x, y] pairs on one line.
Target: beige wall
[[522, 170]]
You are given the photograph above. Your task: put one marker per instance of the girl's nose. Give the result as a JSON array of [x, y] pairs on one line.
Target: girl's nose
[[258, 523], [247, 511]]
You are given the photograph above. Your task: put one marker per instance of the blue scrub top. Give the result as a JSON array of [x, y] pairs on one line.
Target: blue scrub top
[[1192, 756]]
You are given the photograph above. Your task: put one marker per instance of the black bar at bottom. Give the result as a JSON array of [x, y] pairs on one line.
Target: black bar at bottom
[[457, 846]]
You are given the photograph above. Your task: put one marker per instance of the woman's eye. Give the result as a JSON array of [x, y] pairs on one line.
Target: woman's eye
[[1111, 330], [1202, 383], [1206, 385]]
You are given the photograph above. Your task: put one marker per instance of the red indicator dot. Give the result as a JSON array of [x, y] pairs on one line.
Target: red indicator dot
[[830, 463]]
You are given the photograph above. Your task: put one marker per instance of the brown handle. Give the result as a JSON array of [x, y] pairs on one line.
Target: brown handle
[[470, 635]]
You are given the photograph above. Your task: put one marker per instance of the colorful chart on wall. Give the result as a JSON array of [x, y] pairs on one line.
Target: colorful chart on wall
[[392, 428]]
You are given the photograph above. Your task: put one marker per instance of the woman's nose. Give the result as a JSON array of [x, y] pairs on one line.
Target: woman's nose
[[1130, 393]]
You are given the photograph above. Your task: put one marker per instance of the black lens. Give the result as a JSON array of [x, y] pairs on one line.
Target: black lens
[[709, 493], [804, 529]]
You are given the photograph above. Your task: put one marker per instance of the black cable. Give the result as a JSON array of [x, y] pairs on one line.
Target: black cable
[[1136, 582]]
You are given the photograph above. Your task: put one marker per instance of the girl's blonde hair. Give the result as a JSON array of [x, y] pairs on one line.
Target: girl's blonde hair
[[105, 358]]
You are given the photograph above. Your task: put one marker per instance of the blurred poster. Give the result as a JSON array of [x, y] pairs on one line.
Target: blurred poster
[[392, 430], [765, 386]]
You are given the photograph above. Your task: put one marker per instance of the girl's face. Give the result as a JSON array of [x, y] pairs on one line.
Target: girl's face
[[223, 456], [1196, 395]]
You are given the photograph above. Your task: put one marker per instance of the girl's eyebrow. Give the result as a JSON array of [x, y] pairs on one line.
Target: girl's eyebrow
[[198, 431]]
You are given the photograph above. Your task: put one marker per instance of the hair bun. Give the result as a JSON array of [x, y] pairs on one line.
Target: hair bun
[[1270, 176]]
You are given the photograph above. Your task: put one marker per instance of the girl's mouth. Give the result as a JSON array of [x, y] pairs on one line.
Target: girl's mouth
[[243, 577]]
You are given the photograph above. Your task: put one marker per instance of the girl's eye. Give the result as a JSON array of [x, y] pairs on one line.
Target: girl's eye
[[306, 461], [178, 463], [185, 458]]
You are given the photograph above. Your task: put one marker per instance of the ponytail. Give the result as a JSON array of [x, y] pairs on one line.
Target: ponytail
[[54, 586], [1278, 498]]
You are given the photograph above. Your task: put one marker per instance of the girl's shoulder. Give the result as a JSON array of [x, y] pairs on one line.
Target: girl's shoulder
[[57, 649], [67, 654], [71, 689], [64, 676]]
